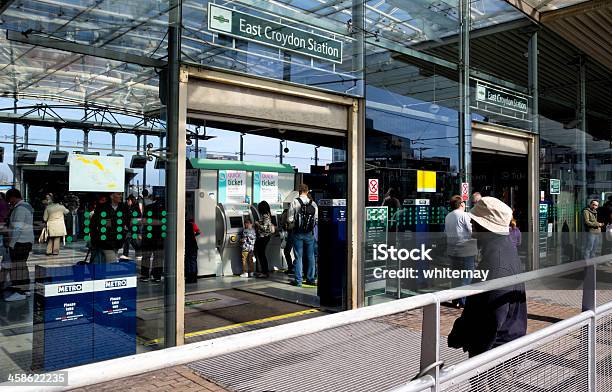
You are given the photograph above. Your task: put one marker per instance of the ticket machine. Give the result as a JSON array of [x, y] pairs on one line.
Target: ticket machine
[[229, 226], [219, 199]]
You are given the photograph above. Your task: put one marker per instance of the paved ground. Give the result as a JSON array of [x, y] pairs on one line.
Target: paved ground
[[545, 307], [175, 379]]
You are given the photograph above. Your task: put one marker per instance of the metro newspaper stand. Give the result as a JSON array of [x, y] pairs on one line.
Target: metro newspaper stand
[[83, 313]]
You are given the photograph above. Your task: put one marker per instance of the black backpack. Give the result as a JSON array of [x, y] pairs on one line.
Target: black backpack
[[305, 217]]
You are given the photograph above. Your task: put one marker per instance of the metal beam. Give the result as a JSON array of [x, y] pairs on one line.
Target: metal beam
[[4, 4], [500, 82], [174, 247], [483, 32], [525, 8], [73, 47], [574, 10], [11, 118], [465, 126], [335, 27]]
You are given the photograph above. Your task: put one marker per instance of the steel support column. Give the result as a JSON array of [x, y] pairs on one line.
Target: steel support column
[[26, 135], [430, 343], [15, 102], [534, 172], [86, 140], [176, 107], [465, 123], [144, 169], [582, 147], [242, 146], [58, 131], [589, 302], [355, 153]]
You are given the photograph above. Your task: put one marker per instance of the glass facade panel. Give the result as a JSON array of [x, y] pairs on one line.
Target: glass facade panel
[[412, 154], [318, 41], [88, 156], [83, 244]]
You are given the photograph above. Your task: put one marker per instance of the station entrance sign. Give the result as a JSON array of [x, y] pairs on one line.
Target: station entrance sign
[[267, 32]]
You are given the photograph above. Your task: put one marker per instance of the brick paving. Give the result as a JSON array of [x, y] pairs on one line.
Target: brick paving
[[181, 378], [175, 379]]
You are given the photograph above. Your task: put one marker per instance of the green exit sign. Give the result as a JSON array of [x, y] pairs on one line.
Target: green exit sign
[[241, 25], [555, 186]]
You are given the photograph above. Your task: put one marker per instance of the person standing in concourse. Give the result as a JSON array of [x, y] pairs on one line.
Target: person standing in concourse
[[21, 238], [496, 317], [460, 246], [476, 196], [264, 229], [56, 226], [151, 252], [592, 227], [303, 213], [108, 233]]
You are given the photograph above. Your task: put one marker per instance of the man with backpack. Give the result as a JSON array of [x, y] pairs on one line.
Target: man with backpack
[[302, 216]]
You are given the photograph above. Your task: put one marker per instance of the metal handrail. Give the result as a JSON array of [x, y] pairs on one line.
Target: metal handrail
[[140, 363], [498, 355]]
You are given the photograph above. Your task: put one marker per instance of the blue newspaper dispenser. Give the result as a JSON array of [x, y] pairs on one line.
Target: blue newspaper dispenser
[[114, 310], [62, 318]]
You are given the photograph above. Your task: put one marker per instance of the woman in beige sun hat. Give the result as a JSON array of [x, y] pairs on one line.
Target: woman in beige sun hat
[[493, 215], [492, 318]]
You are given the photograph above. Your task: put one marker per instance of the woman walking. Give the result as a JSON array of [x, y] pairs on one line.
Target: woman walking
[[56, 227], [264, 229]]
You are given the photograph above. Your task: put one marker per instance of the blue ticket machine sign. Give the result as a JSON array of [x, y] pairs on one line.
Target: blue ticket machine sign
[[114, 310], [332, 246], [62, 319]]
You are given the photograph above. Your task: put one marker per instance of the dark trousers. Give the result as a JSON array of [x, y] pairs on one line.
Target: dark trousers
[[191, 266], [20, 275], [260, 253], [287, 252], [153, 268]]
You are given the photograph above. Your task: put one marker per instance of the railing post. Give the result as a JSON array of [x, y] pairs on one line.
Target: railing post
[[589, 302], [430, 342]]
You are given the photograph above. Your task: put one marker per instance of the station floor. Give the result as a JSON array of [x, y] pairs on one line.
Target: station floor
[[375, 355], [214, 307], [386, 347]]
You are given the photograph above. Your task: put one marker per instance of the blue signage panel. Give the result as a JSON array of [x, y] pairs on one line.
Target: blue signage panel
[[114, 310], [63, 319], [332, 249]]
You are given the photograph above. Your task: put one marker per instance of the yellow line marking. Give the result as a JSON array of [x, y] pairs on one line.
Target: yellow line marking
[[238, 325]]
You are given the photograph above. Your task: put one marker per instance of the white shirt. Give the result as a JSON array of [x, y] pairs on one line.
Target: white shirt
[[458, 229]]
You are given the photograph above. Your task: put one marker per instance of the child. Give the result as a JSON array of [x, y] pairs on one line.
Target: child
[[248, 244], [515, 234]]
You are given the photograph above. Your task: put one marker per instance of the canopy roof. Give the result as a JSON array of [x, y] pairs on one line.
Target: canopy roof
[[114, 48], [218, 164]]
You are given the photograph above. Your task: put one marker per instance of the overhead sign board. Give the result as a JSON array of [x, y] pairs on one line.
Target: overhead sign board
[[503, 98], [92, 173], [267, 32]]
